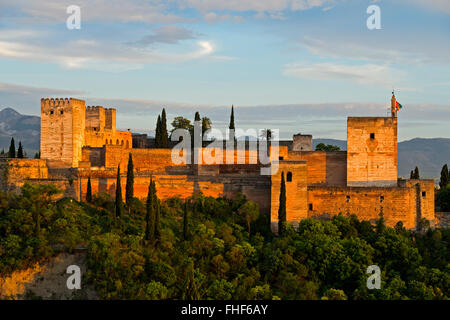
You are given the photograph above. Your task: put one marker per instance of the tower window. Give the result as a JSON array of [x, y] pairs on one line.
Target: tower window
[[289, 177], [51, 111], [61, 112], [280, 158], [381, 198], [372, 136], [424, 194], [310, 206]]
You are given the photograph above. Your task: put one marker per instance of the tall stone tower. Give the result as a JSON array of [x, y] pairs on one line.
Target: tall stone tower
[[62, 130], [372, 150]]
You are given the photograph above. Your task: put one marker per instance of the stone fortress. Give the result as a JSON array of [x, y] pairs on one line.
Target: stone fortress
[[78, 142]]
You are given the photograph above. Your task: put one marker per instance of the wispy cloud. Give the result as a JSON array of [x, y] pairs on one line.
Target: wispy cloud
[[167, 34], [95, 54], [363, 74]]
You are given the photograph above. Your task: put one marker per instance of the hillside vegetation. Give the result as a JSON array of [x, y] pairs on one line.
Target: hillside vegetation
[[218, 249]]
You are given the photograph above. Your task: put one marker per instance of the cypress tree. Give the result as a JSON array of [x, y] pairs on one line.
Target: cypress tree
[[157, 218], [89, 191], [150, 214], [411, 175], [416, 173], [282, 207], [444, 177], [197, 116], [20, 151], [129, 194], [158, 133], [119, 203], [12, 149], [185, 220], [232, 119], [164, 135], [231, 126]]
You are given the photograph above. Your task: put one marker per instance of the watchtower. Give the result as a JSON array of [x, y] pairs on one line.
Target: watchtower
[[62, 130], [372, 150]]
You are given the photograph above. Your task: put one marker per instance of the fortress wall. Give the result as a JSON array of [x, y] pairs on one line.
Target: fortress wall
[[324, 168], [396, 203], [94, 138], [296, 192], [15, 172], [423, 190], [372, 151], [180, 185]]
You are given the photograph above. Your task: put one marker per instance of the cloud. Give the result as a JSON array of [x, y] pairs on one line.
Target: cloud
[[435, 5], [385, 51], [212, 17], [54, 11], [254, 5], [94, 54], [167, 34], [362, 74], [150, 12]]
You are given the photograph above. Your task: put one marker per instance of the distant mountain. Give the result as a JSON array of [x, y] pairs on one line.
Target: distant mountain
[[429, 155], [23, 128]]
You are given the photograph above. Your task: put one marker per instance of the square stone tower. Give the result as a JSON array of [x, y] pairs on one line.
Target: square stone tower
[[372, 151], [62, 130]]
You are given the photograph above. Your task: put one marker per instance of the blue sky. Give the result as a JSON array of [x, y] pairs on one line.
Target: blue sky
[[295, 65]]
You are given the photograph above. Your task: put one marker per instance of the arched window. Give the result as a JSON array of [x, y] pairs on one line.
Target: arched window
[[121, 143], [110, 141], [289, 177], [128, 144], [117, 141], [106, 142]]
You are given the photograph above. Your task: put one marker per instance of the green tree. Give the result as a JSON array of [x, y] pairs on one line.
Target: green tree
[[157, 218], [37, 155], [129, 192], [150, 212], [250, 212], [89, 191], [444, 177], [206, 124], [12, 149], [444, 199], [20, 151], [266, 134], [119, 202], [181, 123], [163, 131], [411, 175], [185, 220], [232, 126], [328, 148], [282, 207], [158, 133], [416, 173]]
